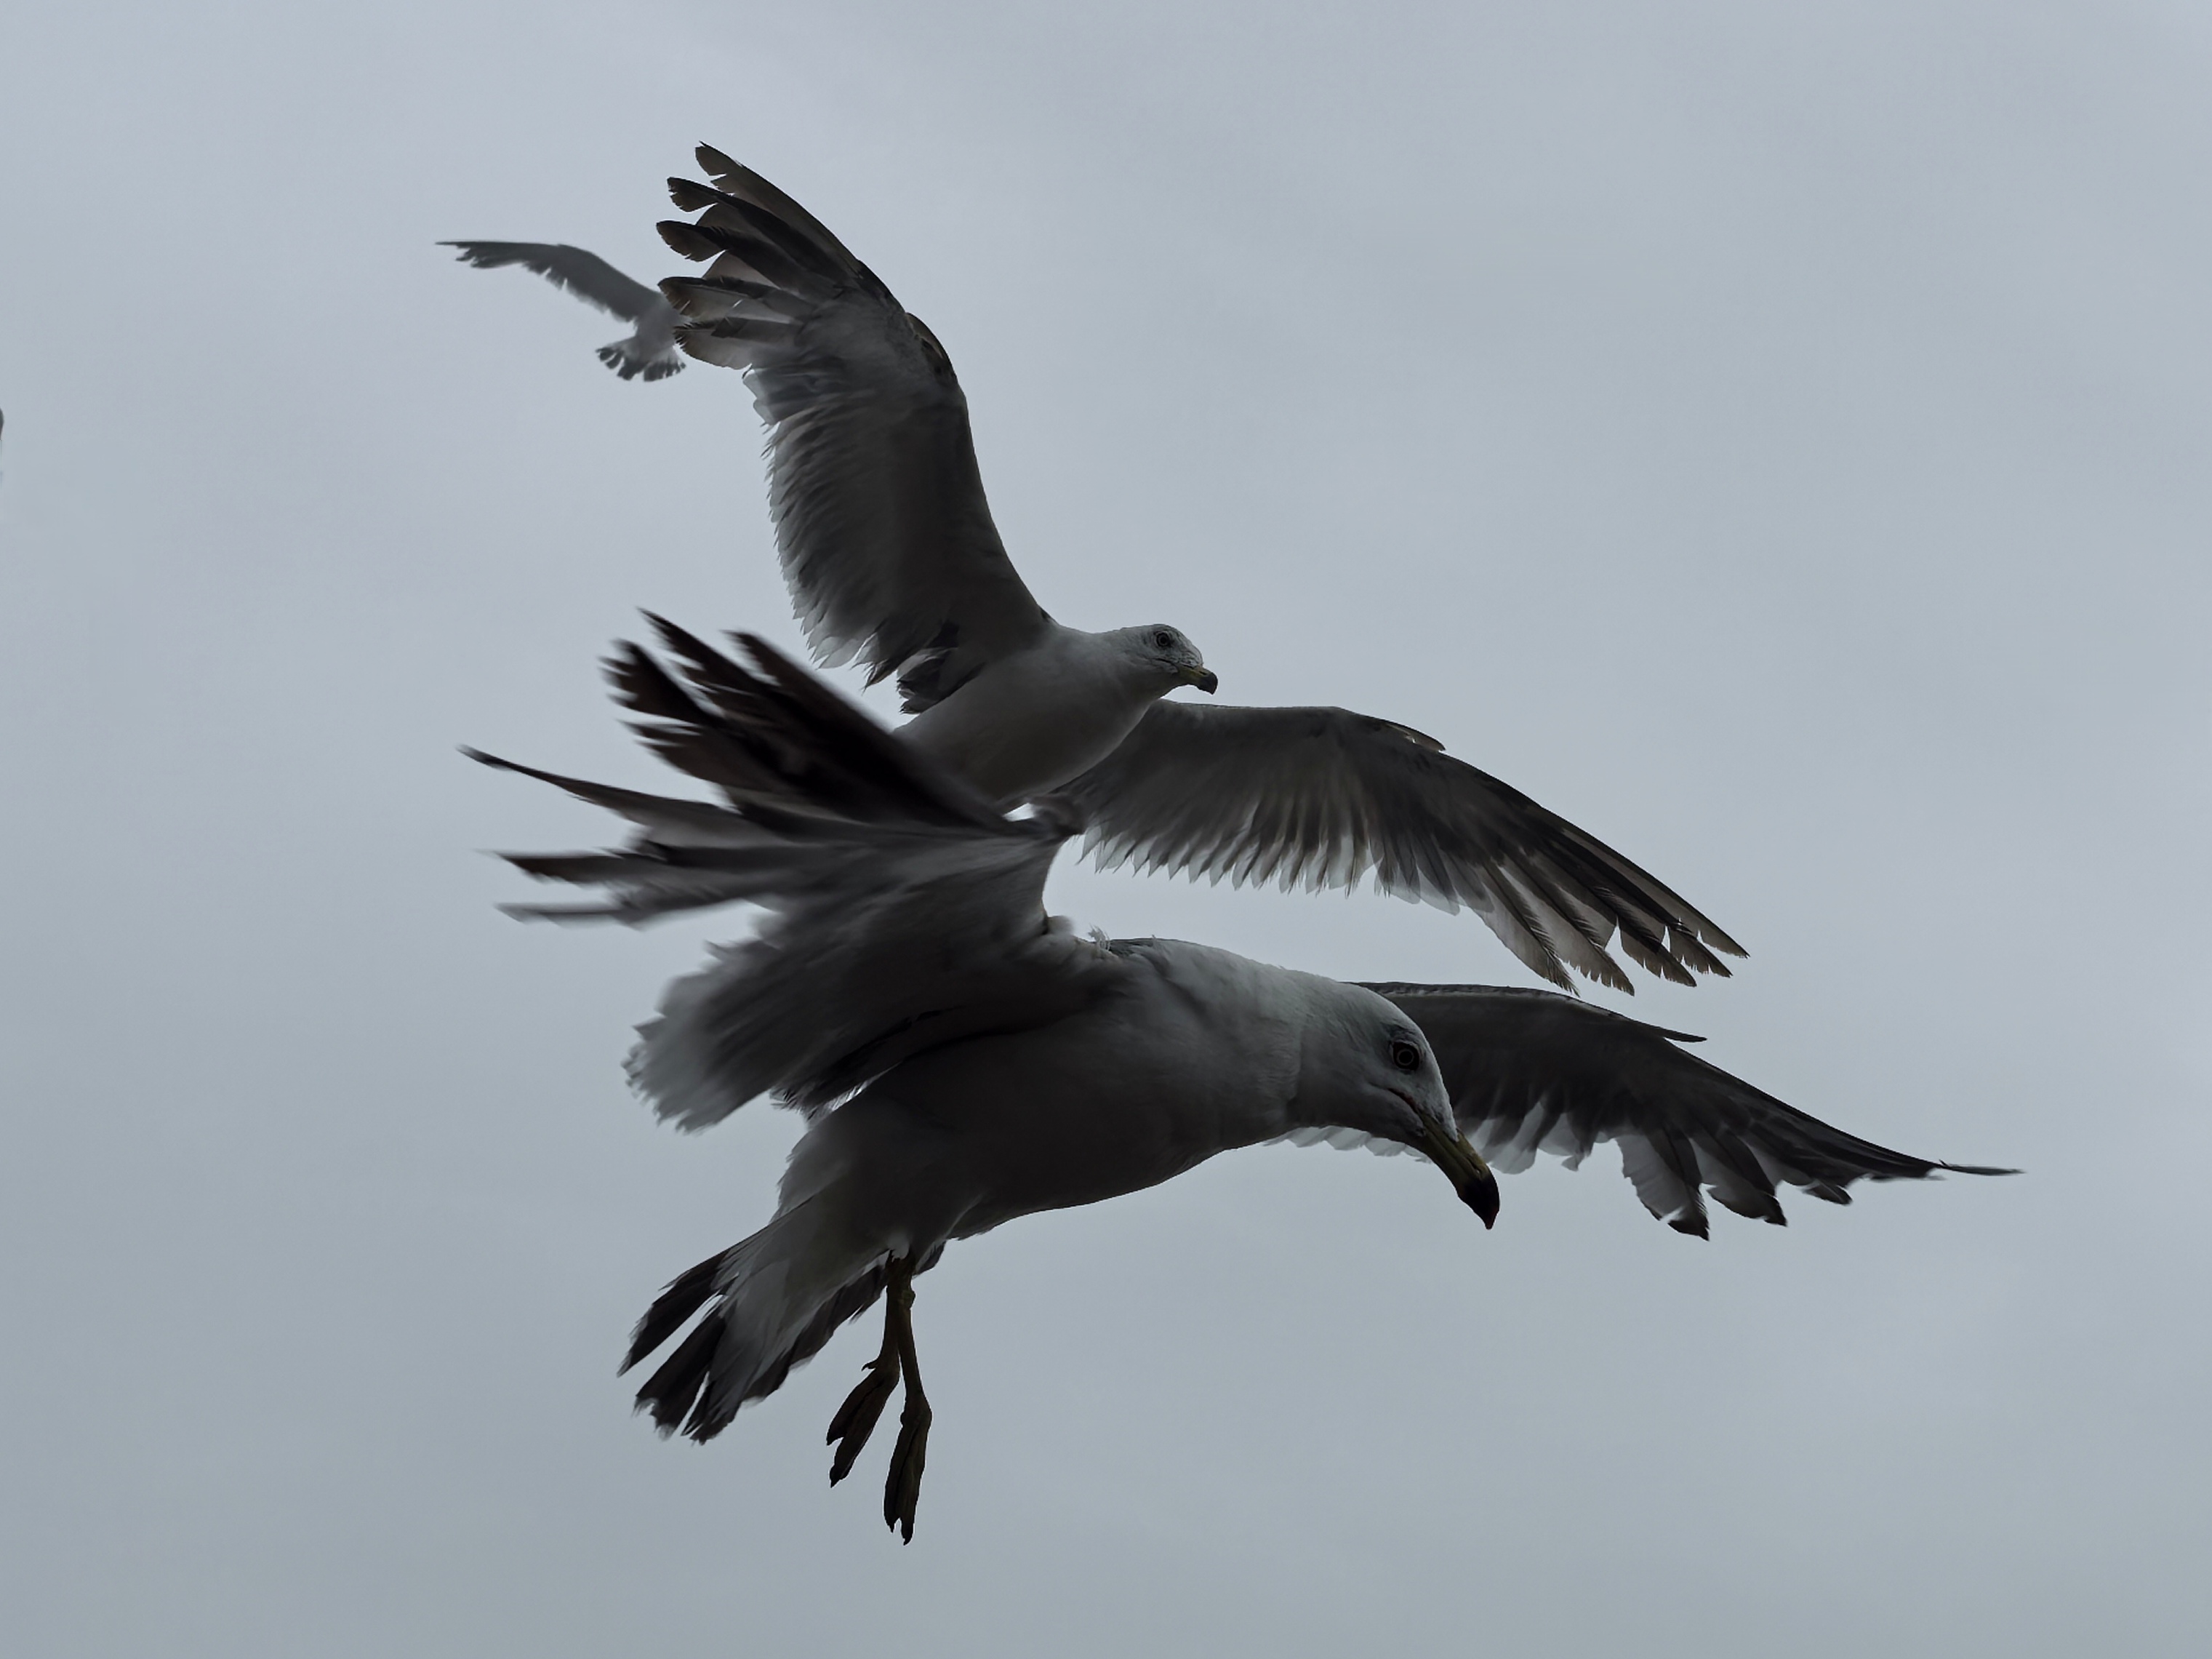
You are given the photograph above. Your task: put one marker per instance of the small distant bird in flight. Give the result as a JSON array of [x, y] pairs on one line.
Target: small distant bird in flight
[[650, 352]]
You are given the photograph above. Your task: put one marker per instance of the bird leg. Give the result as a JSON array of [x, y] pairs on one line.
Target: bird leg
[[856, 1418], [902, 1489]]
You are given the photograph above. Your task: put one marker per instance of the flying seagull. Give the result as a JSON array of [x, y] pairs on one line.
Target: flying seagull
[[887, 544], [963, 1059], [649, 352]]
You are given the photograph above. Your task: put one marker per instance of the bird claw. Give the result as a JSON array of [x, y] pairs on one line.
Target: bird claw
[[902, 1489], [856, 1418]]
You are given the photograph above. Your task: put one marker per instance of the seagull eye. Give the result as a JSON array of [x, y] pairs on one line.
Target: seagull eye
[[1163, 640], [1406, 1056]]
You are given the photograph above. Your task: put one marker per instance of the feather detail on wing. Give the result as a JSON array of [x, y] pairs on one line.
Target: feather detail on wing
[[904, 912], [1532, 1070], [1322, 797], [881, 523]]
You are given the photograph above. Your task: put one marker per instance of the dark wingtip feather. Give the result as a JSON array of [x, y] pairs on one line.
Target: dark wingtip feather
[[1712, 936], [686, 239], [690, 195]]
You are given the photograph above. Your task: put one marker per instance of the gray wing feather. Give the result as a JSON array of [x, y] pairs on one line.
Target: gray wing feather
[[1532, 1070], [1323, 797], [901, 912], [583, 274], [884, 533]]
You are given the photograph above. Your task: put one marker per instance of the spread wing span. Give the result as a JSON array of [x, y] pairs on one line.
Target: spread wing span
[[1532, 1070], [881, 523], [1322, 797]]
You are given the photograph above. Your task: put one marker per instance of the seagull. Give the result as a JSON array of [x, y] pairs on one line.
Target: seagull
[[887, 544], [649, 352], [963, 1060]]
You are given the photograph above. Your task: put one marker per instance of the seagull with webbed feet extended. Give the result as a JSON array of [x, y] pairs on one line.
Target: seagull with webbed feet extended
[[965, 1061]]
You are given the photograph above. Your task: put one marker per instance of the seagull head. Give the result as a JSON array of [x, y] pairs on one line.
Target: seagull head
[[1389, 1087], [1166, 655]]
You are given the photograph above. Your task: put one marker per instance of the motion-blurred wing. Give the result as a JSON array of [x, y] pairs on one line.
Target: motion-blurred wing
[[1531, 1072], [1319, 796], [904, 912], [585, 274], [885, 534]]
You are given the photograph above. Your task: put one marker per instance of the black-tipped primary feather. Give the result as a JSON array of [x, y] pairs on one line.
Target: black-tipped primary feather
[[742, 183], [758, 254]]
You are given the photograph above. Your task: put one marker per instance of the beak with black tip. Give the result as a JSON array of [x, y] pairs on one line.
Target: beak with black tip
[[1203, 679], [1470, 1176]]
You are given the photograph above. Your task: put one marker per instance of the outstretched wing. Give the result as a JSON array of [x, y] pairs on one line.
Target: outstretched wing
[[885, 536], [1319, 796], [587, 275], [902, 912], [1532, 1070]]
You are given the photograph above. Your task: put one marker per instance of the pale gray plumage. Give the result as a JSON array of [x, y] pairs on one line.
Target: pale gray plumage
[[992, 1063], [648, 353], [893, 561]]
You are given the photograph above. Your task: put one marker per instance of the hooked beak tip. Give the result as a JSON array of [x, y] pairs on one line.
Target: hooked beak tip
[[1470, 1174], [1208, 681], [1481, 1197]]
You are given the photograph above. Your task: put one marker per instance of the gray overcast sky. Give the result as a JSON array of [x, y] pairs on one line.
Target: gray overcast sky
[[1775, 437]]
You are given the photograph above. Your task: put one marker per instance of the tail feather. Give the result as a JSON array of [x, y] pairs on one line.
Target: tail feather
[[770, 1303], [675, 1388], [684, 1296]]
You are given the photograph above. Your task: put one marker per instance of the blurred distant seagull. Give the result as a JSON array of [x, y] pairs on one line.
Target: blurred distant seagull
[[887, 543], [650, 352], [965, 1059]]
